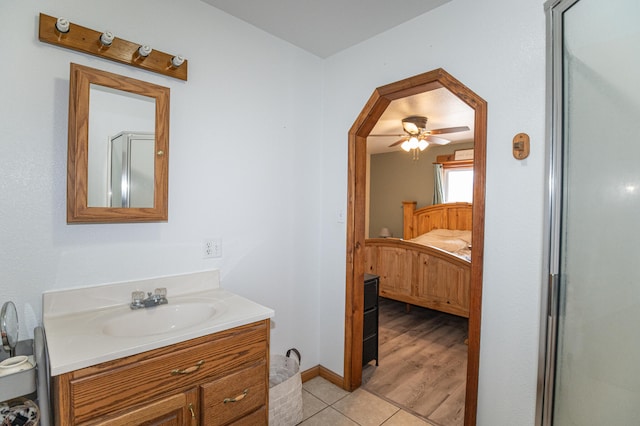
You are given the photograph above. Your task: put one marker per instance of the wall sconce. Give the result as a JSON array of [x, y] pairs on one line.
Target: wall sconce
[[105, 45]]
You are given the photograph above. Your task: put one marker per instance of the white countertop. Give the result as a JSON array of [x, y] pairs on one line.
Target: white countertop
[[74, 320]]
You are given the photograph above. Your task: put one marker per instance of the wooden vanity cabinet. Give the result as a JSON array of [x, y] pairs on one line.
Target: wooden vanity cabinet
[[219, 379], [174, 410]]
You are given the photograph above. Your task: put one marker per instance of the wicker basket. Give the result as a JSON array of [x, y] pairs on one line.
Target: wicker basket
[[285, 390]]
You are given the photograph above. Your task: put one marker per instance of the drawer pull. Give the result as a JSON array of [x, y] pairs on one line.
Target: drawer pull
[[237, 398], [189, 370], [193, 413]]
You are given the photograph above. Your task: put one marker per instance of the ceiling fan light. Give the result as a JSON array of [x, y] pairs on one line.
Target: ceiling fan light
[[406, 146], [410, 128], [422, 144], [413, 142], [414, 124]]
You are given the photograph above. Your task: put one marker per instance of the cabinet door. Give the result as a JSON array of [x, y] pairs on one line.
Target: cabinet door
[[175, 410]]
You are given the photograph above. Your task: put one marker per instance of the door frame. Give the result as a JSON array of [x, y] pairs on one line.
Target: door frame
[[549, 294], [357, 170]]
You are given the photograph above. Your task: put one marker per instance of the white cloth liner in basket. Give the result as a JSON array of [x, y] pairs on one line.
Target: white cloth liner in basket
[[285, 390]]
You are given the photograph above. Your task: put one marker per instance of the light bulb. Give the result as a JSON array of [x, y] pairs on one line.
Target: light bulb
[[176, 61], [62, 25], [405, 145], [422, 144], [410, 127], [413, 142], [144, 50], [107, 38]]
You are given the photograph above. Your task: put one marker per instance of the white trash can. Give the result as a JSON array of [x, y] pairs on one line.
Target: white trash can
[[285, 390]]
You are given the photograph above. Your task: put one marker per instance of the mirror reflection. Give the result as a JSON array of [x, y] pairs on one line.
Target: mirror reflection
[[121, 148], [131, 170]]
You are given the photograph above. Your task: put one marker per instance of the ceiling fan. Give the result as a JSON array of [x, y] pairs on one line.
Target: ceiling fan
[[417, 136]]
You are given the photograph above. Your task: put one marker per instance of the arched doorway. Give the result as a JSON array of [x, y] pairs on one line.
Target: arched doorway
[[375, 106]]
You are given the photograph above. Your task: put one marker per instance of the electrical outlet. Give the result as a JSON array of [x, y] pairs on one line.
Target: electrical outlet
[[211, 247]]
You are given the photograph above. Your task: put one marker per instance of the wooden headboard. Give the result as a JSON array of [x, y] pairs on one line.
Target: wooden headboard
[[439, 216]]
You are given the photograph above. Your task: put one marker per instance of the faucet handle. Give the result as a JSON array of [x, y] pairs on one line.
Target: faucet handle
[[137, 299], [161, 292], [137, 296]]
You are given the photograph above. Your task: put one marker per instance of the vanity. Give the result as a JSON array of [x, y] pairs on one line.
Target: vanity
[[200, 359]]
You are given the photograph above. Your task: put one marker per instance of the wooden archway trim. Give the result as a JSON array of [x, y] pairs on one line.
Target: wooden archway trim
[[354, 309]]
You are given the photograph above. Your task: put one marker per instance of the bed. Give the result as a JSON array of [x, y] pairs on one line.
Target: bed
[[425, 275]]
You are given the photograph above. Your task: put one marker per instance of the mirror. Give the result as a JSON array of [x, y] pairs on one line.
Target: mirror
[[9, 327], [118, 148]]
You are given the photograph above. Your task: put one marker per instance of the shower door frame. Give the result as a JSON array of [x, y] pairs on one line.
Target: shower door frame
[[554, 11]]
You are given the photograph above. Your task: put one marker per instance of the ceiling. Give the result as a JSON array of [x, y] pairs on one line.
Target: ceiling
[[325, 27], [311, 25], [442, 109]]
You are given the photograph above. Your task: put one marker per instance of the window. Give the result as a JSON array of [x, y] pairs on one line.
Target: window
[[458, 185]]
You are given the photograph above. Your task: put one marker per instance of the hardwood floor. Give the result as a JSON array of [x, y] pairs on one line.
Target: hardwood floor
[[423, 362]]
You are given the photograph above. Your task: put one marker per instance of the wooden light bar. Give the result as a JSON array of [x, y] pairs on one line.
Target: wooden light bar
[[88, 41]]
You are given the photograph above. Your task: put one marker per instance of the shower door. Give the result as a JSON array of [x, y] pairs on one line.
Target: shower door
[[592, 363]]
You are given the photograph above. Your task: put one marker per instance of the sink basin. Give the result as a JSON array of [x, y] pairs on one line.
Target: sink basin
[[159, 320]]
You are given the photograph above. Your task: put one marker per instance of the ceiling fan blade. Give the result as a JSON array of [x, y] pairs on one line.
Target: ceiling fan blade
[[396, 143], [386, 136], [436, 140], [448, 130]]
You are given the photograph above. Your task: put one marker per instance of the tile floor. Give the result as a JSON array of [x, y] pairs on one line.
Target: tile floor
[[324, 403]]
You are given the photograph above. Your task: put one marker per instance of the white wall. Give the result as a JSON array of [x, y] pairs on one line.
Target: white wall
[[243, 164], [274, 200], [496, 48]]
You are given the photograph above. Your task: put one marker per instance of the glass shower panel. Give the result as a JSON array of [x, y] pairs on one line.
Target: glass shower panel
[[597, 378]]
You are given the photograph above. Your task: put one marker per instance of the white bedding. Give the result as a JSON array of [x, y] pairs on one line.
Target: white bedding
[[454, 241]]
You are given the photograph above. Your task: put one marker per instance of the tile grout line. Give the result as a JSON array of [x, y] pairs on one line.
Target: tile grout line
[[395, 405]]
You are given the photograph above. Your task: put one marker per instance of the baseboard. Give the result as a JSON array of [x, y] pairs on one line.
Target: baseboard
[[310, 373], [323, 372]]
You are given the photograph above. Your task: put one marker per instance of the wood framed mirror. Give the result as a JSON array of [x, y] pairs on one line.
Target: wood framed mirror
[[113, 174]]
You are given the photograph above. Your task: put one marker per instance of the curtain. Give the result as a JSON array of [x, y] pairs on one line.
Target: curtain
[[438, 189]]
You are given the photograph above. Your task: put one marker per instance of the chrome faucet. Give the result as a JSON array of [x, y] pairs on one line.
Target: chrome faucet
[[158, 297]]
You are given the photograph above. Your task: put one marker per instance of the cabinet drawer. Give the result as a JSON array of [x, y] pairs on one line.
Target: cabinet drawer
[[235, 396], [370, 294], [370, 325], [259, 417], [116, 385], [370, 291], [369, 349]]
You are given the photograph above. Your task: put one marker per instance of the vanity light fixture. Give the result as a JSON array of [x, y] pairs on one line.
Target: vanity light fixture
[[62, 25], [144, 50], [58, 31], [106, 38], [176, 61]]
